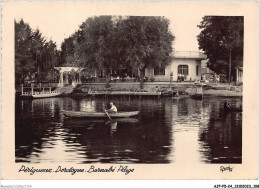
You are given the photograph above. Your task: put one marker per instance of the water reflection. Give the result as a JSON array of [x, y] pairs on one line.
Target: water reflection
[[186, 125], [88, 106], [166, 131], [223, 137]]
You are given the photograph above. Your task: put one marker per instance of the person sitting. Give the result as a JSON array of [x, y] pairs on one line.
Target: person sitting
[[227, 106], [111, 79], [182, 77], [179, 78], [128, 78], [113, 108]]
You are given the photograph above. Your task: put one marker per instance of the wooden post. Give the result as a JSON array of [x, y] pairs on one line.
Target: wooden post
[[230, 66], [32, 89], [50, 89], [22, 89], [201, 91]]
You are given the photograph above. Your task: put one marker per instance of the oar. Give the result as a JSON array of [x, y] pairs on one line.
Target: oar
[[108, 115], [109, 121]]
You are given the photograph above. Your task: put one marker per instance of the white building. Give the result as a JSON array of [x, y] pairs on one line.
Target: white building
[[187, 63]]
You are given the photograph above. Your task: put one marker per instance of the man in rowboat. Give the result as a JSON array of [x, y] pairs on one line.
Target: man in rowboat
[[227, 106], [112, 109]]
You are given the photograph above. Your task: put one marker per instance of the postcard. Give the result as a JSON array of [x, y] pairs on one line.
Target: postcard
[[129, 90]]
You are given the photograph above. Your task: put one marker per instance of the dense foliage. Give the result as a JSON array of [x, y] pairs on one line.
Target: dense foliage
[[220, 38], [147, 42], [107, 42], [34, 56], [120, 42]]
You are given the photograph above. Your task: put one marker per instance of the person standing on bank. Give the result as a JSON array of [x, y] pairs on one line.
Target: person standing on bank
[[112, 109]]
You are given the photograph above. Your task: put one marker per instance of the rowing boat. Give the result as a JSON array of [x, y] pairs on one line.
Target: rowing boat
[[233, 109], [72, 121], [98, 114], [197, 96], [229, 108]]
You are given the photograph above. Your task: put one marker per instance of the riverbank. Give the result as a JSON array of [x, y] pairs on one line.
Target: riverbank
[[226, 93], [224, 90], [155, 89]]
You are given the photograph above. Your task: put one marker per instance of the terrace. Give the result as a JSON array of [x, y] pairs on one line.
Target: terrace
[[189, 54]]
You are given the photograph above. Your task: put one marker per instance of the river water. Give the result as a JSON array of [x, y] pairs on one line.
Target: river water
[[165, 131]]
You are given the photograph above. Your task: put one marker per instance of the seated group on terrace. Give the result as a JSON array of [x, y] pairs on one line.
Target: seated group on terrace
[[113, 79]]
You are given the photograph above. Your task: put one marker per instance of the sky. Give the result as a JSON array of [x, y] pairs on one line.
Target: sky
[[57, 21]]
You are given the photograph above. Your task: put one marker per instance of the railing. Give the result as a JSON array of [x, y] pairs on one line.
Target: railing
[[26, 94], [189, 54], [46, 92], [35, 90], [39, 93], [114, 80]]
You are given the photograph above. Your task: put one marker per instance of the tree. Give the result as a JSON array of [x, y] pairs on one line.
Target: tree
[[114, 42], [146, 42], [24, 62], [96, 44], [222, 39], [37, 44], [32, 53], [68, 51]]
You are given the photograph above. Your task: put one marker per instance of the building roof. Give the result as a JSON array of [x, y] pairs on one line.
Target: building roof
[[189, 54]]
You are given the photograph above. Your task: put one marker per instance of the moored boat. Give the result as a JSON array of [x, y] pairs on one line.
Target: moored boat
[[40, 94], [197, 96], [229, 108], [98, 114], [233, 109], [45, 94], [180, 97]]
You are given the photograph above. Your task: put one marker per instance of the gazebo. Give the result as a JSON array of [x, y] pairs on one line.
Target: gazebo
[[75, 75]]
